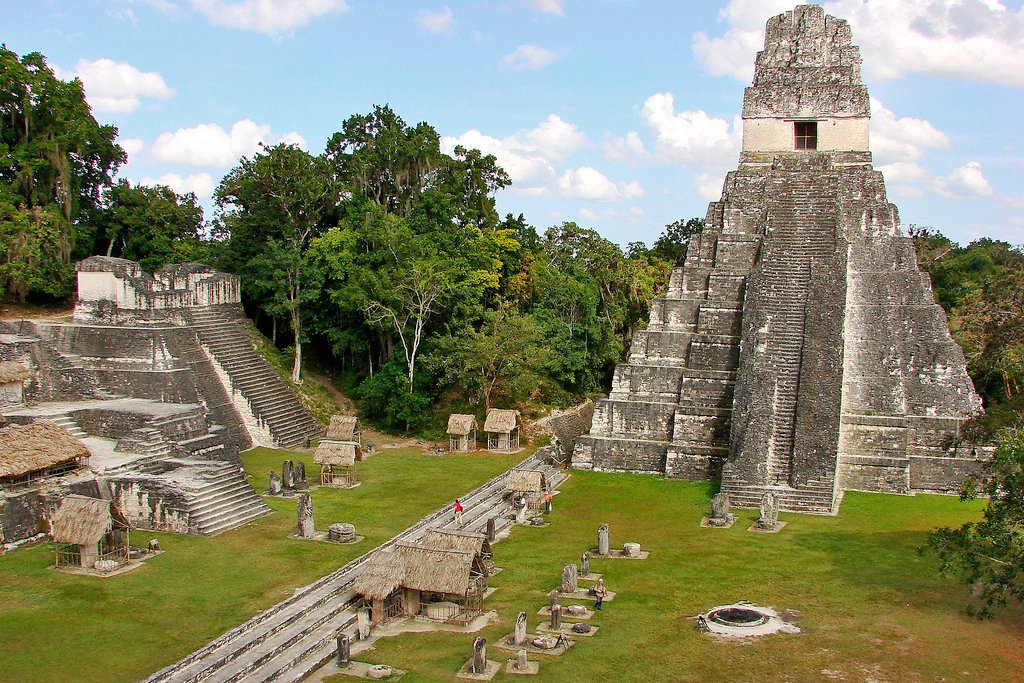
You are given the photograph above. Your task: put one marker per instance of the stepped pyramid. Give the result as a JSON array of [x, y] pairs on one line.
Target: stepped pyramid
[[799, 349]]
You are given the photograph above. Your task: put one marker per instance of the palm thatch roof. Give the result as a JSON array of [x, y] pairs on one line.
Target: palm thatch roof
[[12, 371], [501, 421], [81, 520], [36, 446], [340, 453], [382, 574], [461, 425], [417, 567], [342, 428], [455, 539], [526, 481]]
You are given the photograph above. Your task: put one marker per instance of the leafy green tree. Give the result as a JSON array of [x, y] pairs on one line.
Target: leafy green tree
[[152, 225], [673, 242], [384, 398], [988, 555], [273, 205], [36, 245]]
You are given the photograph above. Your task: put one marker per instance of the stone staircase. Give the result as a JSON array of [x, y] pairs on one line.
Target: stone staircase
[[225, 502], [817, 498], [271, 401], [68, 423], [295, 637]]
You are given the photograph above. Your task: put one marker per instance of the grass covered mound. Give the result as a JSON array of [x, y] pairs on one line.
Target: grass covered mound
[[871, 608], [60, 627]]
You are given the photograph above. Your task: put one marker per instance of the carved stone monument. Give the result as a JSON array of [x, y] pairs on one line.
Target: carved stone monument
[[769, 519], [570, 580], [363, 623], [341, 532], [304, 512], [299, 482], [522, 664], [556, 617], [585, 564], [479, 656], [275, 484], [288, 475], [344, 650], [492, 533], [553, 598], [720, 515], [604, 541], [519, 635]]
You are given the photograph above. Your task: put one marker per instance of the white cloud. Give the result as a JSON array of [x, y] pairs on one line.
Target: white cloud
[[901, 139], [905, 178], [271, 17], [210, 145], [628, 148], [965, 181], [979, 40], [689, 137], [201, 184], [116, 87], [530, 58], [546, 6], [441, 22], [709, 186], [586, 182], [527, 156], [131, 146]]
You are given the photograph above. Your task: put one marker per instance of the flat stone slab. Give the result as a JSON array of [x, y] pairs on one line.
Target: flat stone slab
[[360, 670], [490, 670], [566, 629], [324, 538], [704, 523], [503, 645], [531, 668], [617, 555], [584, 594], [546, 612], [589, 577], [778, 527]]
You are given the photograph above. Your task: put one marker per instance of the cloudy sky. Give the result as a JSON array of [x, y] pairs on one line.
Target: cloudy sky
[[621, 115]]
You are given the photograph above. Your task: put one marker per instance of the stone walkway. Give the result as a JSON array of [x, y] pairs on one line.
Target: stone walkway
[[295, 637]]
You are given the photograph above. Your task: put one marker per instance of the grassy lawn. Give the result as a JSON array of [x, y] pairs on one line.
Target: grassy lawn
[[871, 608], [60, 627]]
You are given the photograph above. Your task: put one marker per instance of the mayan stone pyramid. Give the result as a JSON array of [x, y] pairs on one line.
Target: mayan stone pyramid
[[799, 349]]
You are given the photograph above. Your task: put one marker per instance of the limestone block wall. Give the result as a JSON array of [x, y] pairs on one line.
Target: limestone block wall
[[150, 506], [834, 134]]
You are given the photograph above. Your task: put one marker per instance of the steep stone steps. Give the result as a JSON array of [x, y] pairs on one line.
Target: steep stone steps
[[68, 423], [269, 398], [226, 502]]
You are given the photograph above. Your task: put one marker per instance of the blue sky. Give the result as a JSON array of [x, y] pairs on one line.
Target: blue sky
[[618, 114]]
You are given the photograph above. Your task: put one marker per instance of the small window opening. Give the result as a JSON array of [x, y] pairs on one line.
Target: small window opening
[[806, 134]]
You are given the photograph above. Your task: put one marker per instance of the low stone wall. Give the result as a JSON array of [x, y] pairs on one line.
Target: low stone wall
[[148, 505], [113, 424], [568, 425], [945, 475]]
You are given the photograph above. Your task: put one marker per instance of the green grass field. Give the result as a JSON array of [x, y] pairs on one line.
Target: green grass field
[[63, 627], [871, 607]]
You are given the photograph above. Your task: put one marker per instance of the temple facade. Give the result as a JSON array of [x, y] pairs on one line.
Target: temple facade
[[798, 349]]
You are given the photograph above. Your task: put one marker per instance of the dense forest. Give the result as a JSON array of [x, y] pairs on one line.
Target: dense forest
[[384, 262]]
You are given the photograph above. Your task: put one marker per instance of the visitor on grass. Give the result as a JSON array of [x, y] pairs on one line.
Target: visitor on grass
[[547, 501], [458, 512], [600, 591]]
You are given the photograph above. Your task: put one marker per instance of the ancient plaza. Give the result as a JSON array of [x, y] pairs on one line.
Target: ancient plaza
[[770, 368]]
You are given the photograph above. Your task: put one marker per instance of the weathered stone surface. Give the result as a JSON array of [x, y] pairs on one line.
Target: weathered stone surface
[[604, 543], [570, 579], [576, 610], [491, 529], [720, 515], [288, 475], [771, 362], [582, 627], [585, 564], [631, 550], [299, 482], [556, 617], [521, 661], [344, 650], [341, 532], [275, 484], [304, 512], [519, 635], [769, 518], [553, 598], [479, 665]]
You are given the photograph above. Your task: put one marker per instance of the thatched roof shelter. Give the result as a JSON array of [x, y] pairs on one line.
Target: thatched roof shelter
[[36, 446], [526, 481], [456, 539], [417, 567], [12, 371], [337, 453], [461, 425], [342, 428], [81, 520], [501, 421]]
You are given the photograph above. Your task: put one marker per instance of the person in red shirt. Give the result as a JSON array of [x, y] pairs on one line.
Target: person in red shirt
[[458, 512]]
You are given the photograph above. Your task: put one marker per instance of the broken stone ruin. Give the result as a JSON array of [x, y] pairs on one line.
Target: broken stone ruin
[[798, 348], [288, 475], [342, 533], [275, 484], [519, 635], [304, 512], [570, 579], [585, 564], [479, 665], [769, 519], [299, 482], [604, 541], [720, 515]]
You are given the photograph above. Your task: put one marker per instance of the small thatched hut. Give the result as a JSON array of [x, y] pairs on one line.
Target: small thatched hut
[[463, 541], [503, 428], [461, 432], [417, 580], [337, 461], [530, 485], [36, 450], [12, 379], [344, 428], [88, 531]]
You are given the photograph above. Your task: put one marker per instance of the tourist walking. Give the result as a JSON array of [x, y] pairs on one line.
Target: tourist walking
[[600, 591], [458, 512], [547, 501]]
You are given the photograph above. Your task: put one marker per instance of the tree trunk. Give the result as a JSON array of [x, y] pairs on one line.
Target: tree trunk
[[297, 366]]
